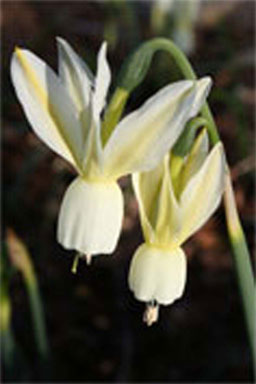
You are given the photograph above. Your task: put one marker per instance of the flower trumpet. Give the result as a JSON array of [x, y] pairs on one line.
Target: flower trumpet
[[65, 111], [169, 217]]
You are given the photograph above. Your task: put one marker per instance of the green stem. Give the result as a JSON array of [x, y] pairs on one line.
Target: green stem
[[186, 139], [37, 315], [113, 113], [188, 72], [182, 148], [242, 261], [237, 237]]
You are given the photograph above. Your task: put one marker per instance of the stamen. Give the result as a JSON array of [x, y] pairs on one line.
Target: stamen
[[150, 315], [88, 259], [75, 263]]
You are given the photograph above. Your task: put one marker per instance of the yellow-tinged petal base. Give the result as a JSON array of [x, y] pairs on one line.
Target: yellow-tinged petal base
[[157, 274], [90, 217]]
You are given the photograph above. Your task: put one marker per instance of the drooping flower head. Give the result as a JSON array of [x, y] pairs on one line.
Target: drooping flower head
[[169, 216], [65, 111]]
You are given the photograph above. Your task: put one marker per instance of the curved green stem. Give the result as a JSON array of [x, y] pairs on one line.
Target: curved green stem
[[236, 234], [183, 146], [242, 260], [189, 73], [186, 139]]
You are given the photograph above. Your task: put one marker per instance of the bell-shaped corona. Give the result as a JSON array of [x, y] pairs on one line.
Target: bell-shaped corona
[[158, 274], [90, 217]]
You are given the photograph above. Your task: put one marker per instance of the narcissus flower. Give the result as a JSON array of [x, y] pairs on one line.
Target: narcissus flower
[[65, 112], [169, 217]]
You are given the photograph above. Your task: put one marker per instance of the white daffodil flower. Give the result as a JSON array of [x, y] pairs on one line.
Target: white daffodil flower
[[65, 112], [158, 269]]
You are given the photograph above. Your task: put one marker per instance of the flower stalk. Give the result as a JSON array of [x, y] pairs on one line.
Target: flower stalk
[[241, 261]]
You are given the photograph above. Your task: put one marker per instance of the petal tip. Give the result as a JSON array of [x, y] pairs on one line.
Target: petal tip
[[61, 41], [17, 49], [18, 52], [103, 48], [206, 83]]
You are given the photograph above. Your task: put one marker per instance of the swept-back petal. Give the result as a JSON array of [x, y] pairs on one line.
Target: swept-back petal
[[102, 81], [203, 193], [47, 105], [167, 212], [202, 89], [157, 274], [75, 75], [195, 159], [91, 217], [142, 138], [141, 182], [92, 163], [158, 208], [93, 150]]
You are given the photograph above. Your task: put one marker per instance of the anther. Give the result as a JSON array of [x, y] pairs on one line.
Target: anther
[[88, 259], [150, 315], [75, 263]]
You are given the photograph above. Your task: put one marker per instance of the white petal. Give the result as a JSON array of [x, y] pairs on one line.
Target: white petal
[[168, 219], [79, 80], [202, 90], [202, 195], [142, 138], [75, 75], [92, 164], [91, 217], [93, 149], [157, 274], [47, 105], [146, 186], [102, 81], [159, 210], [195, 159]]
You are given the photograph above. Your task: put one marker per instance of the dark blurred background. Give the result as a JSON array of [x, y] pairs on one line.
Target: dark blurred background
[[93, 324]]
